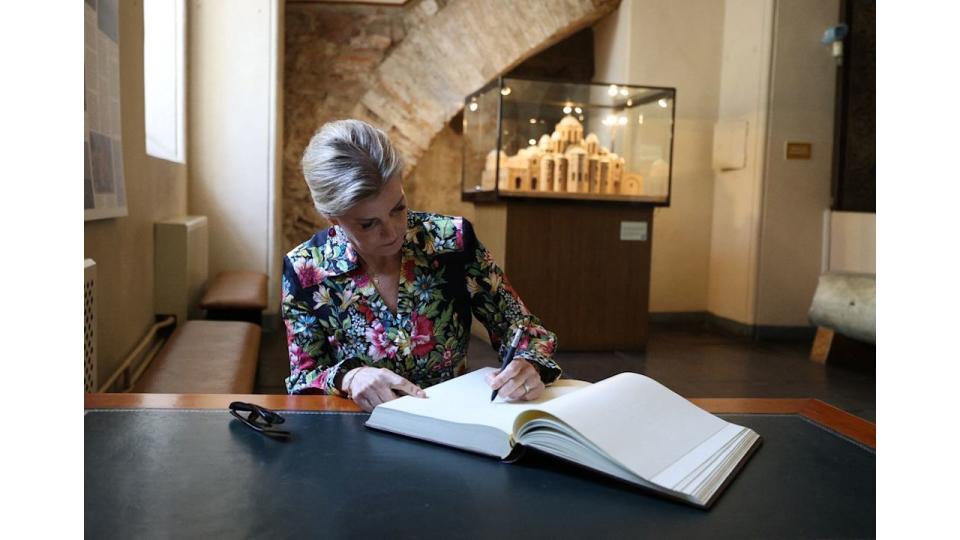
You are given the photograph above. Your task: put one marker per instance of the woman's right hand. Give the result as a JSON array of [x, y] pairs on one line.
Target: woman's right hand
[[370, 386]]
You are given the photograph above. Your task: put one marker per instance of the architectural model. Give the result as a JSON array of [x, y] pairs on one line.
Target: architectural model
[[562, 162]]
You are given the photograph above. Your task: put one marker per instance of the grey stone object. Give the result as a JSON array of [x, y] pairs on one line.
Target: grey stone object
[[846, 303]]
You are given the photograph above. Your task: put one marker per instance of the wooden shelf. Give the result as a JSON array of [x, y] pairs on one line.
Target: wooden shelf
[[495, 196]]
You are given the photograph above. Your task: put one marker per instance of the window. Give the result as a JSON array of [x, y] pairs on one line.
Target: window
[[164, 78]]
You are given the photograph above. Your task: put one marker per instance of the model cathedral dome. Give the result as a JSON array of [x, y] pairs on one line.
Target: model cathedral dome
[[562, 162]]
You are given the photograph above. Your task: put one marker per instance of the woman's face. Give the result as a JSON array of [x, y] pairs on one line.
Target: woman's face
[[377, 225]]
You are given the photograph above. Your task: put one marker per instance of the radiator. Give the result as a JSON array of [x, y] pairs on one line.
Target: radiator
[[180, 266], [89, 326]]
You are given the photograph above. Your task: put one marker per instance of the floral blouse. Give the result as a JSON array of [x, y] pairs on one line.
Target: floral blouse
[[336, 319]]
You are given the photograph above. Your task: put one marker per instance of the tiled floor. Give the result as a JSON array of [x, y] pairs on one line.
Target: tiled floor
[[694, 362]]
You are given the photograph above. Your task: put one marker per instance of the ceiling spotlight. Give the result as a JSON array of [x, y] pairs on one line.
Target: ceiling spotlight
[[612, 90], [505, 91], [623, 91], [662, 102], [579, 110], [532, 142], [533, 120], [567, 109], [581, 118], [629, 103], [474, 106]]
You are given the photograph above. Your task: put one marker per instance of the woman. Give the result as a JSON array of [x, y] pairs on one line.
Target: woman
[[380, 304]]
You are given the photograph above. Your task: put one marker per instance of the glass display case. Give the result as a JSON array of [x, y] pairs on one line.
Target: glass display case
[[550, 139]]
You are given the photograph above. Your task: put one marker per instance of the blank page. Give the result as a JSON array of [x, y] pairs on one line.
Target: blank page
[[466, 400], [637, 421]]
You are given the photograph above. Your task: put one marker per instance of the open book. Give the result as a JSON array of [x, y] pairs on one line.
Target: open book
[[629, 427]]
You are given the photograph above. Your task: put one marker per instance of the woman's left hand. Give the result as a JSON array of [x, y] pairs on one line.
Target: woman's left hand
[[518, 381]]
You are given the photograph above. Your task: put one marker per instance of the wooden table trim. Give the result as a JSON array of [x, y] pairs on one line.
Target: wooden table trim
[[824, 414], [278, 402], [841, 421]]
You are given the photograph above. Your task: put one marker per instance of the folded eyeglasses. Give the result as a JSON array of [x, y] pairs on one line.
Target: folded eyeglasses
[[259, 419]]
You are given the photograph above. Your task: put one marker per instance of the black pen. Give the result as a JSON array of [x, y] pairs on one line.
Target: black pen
[[507, 358]]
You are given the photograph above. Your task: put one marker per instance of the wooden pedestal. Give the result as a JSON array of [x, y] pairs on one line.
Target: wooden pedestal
[[567, 261]]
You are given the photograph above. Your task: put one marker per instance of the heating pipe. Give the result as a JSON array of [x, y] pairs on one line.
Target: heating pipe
[[124, 368]]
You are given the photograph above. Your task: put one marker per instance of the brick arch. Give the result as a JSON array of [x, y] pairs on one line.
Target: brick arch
[[421, 85], [406, 70]]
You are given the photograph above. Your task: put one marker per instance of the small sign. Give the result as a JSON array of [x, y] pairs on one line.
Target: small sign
[[798, 150], [633, 231]]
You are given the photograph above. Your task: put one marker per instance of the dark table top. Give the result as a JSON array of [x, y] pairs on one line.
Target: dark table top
[[189, 473]]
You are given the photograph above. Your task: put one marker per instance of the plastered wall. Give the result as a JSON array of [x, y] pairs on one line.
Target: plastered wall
[[123, 247], [676, 44]]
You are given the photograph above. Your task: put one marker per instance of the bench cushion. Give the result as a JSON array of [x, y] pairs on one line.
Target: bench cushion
[[236, 290], [205, 357], [846, 302]]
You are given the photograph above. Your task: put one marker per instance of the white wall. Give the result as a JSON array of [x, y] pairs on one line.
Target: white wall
[[737, 196], [744, 244], [234, 62], [851, 242], [796, 192], [674, 43]]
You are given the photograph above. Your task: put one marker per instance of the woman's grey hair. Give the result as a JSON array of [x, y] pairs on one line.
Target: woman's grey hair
[[345, 162]]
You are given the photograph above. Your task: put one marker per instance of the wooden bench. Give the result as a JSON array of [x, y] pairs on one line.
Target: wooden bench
[[205, 357], [236, 296]]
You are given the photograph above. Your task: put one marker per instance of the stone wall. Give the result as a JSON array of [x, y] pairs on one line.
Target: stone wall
[[406, 70], [434, 185], [331, 54]]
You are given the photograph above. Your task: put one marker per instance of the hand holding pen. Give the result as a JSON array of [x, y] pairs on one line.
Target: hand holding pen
[[516, 379]]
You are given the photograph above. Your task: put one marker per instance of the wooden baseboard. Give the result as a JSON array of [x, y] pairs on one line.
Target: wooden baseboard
[[760, 332], [684, 318], [730, 326]]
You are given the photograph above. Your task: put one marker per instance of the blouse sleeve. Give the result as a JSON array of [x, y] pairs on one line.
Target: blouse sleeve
[[499, 308], [313, 367]]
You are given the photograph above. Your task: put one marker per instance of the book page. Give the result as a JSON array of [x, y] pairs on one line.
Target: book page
[[466, 400], [638, 422]]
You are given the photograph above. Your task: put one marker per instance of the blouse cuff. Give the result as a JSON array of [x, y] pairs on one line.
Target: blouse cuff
[[548, 369], [342, 369]]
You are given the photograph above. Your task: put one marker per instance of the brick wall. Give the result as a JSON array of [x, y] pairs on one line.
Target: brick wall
[[406, 70]]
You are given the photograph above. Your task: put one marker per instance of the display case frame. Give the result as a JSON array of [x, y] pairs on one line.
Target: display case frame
[[490, 111]]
